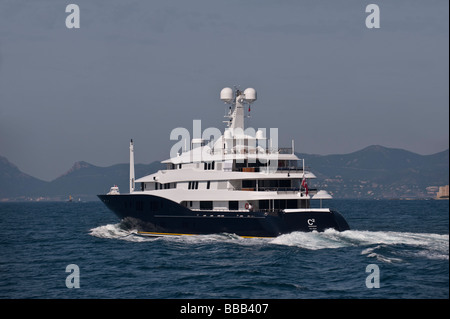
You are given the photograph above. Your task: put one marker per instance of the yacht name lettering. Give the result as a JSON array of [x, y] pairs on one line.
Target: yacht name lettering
[[192, 309]]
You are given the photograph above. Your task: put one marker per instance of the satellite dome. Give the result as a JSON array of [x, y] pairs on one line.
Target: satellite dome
[[250, 95], [322, 195], [226, 95], [260, 135]]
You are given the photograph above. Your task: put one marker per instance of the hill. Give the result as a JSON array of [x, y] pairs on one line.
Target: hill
[[15, 183], [82, 180], [379, 172], [85, 180], [373, 172]]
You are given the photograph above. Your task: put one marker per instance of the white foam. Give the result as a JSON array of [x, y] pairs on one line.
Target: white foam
[[114, 231], [372, 252], [311, 241], [374, 243], [432, 246]]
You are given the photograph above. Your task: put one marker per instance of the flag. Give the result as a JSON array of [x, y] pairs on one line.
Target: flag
[[305, 186]]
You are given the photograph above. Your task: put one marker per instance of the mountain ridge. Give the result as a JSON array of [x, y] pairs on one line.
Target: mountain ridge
[[380, 172], [372, 172]]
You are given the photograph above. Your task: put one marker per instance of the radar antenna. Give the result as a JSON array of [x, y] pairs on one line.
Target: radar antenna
[[236, 101]]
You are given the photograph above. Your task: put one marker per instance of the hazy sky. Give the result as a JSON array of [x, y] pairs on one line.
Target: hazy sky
[[138, 69]]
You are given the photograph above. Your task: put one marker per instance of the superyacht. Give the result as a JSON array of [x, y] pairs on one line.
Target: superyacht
[[240, 183]]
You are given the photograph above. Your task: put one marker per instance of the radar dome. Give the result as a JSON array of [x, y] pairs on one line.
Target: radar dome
[[260, 135], [226, 95], [250, 95]]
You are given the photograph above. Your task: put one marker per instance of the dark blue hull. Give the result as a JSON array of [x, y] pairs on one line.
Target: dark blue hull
[[153, 215]]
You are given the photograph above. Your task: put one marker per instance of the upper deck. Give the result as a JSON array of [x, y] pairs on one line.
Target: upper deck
[[234, 166]]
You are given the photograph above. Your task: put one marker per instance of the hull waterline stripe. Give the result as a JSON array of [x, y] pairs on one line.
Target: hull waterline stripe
[[163, 234], [178, 234]]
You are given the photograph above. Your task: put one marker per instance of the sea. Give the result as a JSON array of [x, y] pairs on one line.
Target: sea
[[396, 249]]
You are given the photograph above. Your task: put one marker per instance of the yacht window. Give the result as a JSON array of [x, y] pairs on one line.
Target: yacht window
[[208, 166], [208, 184], [193, 185], [285, 183], [233, 205], [291, 203], [208, 205], [264, 204], [251, 183]]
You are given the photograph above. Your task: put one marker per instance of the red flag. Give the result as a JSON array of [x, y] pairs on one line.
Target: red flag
[[305, 186]]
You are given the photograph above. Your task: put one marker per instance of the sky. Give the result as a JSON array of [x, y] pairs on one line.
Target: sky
[[138, 69]]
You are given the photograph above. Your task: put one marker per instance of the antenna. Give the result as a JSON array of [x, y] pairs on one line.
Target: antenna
[[131, 166], [250, 95], [226, 95], [236, 102]]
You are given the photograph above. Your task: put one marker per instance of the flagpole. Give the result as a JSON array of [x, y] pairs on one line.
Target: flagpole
[[303, 168], [304, 184]]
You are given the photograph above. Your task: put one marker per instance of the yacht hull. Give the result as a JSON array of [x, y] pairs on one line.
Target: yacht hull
[[158, 216]]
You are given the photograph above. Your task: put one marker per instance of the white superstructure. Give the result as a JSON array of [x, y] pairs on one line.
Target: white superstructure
[[241, 170]]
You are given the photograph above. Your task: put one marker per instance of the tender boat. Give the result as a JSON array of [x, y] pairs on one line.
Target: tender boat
[[114, 190]]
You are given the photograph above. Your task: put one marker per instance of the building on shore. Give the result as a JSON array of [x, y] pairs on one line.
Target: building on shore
[[443, 192], [432, 190]]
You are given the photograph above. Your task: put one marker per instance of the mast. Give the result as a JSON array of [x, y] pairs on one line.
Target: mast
[[238, 113], [131, 166], [237, 100]]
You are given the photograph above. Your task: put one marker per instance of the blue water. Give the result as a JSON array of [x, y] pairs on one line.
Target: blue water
[[407, 240]]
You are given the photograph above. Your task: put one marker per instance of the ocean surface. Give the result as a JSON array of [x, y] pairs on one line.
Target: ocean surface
[[401, 247]]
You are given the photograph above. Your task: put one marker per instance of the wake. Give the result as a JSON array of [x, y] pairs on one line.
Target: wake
[[374, 244], [431, 246]]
